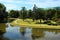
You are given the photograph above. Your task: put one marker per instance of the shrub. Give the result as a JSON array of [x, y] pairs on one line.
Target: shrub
[[46, 22], [58, 23], [49, 22], [37, 23]]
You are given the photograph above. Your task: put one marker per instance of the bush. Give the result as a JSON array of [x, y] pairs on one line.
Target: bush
[[46, 22], [58, 23], [37, 23], [49, 22], [11, 20]]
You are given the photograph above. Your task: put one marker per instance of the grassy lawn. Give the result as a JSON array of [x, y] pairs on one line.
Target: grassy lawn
[[30, 23]]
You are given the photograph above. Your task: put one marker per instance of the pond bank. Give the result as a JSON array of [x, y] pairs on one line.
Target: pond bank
[[20, 22]]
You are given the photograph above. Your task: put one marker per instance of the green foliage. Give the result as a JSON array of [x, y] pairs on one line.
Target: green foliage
[[49, 22], [3, 13], [50, 14], [34, 14], [23, 13], [14, 14], [2, 7], [29, 14], [40, 13], [46, 22], [58, 23]]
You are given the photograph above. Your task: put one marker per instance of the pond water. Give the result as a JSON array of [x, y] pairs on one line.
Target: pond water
[[8, 32]]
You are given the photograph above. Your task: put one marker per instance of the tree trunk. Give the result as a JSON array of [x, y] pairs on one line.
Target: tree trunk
[[33, 20], [23, 19], [40, 20]]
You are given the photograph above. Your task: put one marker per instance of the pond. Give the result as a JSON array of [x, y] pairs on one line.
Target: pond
[[8, 32]]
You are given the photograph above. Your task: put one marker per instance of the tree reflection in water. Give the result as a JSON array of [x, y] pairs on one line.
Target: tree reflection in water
[[2, 31], [22, 30], [42, 34], [37, 33]]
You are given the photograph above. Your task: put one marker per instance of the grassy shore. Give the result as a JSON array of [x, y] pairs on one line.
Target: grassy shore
[[31, 24]]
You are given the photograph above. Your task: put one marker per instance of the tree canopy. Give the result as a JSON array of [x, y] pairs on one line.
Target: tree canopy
[[3, 13]]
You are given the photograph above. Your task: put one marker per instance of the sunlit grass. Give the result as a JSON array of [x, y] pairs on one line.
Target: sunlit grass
[[30, 23]]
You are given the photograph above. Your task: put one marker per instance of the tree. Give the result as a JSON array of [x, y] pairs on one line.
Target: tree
[[23, 13], [40, 14], [14, 14], [3, 13], [58, 12], [29, 15], [50, 14], [34, 12]]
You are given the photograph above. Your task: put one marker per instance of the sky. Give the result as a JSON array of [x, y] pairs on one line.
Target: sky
[[18, 4]]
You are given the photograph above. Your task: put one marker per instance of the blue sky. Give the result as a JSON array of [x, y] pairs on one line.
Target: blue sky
[[18, 4]]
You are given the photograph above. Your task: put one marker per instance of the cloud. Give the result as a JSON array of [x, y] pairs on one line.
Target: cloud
[[10, 1], [10, 6], [17, 4], [47, 4]]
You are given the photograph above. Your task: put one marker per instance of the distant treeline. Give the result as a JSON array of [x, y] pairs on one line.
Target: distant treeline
[[34, 14]]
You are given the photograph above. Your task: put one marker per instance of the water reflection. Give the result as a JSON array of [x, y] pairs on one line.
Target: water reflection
[[46, 34], [42, 34], [22, 30], [37, 33], [2, 31], [26, 33], [22, 33], [2, 27]]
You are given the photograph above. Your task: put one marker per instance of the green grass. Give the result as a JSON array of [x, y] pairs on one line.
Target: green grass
[[30, 23]]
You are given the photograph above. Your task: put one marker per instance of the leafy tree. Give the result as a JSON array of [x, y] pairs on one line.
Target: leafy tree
[[23, 13], [29, 15], [14, 13], [50, 14], [58, 12], [34, 12], [3, 13], [40, 14]]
